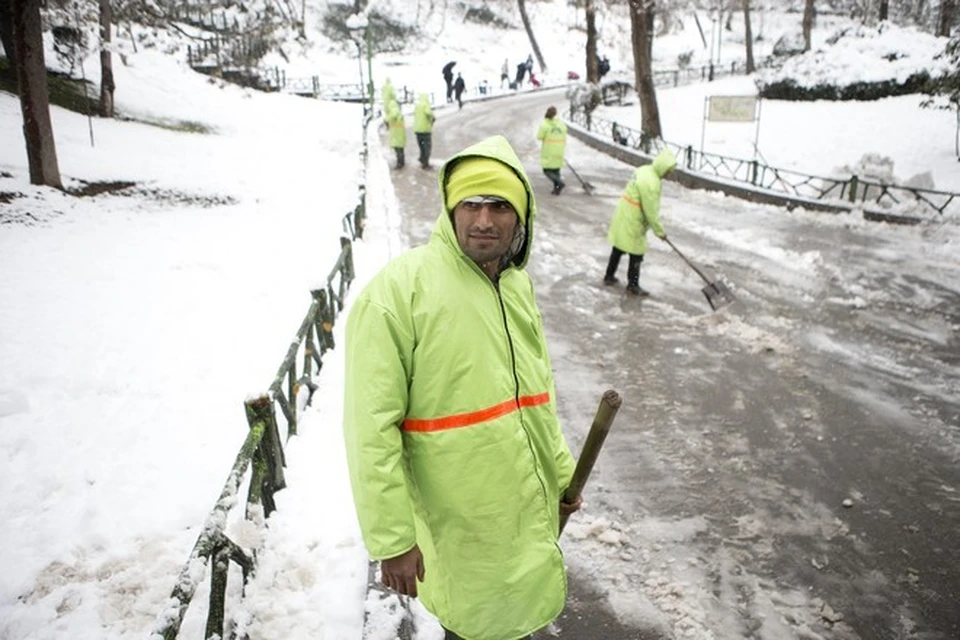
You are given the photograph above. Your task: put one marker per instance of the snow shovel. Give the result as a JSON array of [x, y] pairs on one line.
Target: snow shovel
[[606, 412], [589, 188], [718, 295]]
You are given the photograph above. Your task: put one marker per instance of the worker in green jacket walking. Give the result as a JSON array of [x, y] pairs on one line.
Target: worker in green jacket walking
[[456, 456], [553, 143], [388, 94], [396, 130], [423, 128], [637, 212]]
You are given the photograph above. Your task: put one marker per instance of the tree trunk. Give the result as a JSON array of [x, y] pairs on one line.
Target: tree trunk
[[808, 14], [6, 35], [748, 36], [593, 71], [522, 5], [107, 85], [34, 97], [947, 9], [884, 10], [641, 27]]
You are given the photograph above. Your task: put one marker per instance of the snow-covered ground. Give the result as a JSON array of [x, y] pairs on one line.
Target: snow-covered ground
[[133, 326]]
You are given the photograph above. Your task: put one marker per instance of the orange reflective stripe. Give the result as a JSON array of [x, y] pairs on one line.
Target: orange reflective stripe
[[633, 202], [474, 417]]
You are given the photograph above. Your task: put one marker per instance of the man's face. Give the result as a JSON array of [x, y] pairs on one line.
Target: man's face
[[485, 226]]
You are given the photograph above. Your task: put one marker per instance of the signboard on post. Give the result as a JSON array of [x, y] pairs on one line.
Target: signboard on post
[[731, 109]]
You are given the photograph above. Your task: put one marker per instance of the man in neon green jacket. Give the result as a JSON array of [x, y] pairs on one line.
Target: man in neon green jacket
[[637, 212], [553, 143], [423, 128], [388, 93], [396, 130], [457, 461]]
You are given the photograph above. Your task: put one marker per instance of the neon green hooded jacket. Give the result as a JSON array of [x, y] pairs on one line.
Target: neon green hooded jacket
[[553, 137], [423, 115], [639, 206], [451, 431], [397, 136], [388, 94]]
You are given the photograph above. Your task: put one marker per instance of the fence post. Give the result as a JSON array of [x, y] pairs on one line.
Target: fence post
[[268, 459], [325, 322], [220, 563], [753, 172], [360, 213], [853, 188], [347, 250]]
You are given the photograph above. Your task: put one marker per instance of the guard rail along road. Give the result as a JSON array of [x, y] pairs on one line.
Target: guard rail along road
[[758, 182]]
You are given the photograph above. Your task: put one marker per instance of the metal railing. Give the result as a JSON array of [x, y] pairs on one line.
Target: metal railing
[[895, 200], [262, 452], [278, 80]]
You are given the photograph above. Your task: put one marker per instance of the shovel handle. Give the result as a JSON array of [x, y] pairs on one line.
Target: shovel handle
[[692, 266], [606, 412], [583, 183]]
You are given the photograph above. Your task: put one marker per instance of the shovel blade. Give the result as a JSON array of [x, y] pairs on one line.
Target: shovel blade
[[718, 295]]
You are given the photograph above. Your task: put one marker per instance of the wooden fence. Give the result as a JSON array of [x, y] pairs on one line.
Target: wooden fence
[[262, 452]]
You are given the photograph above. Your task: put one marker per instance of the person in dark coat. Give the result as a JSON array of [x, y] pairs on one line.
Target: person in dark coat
[[603, 66], [521, 71], [458, 88], [448, 78]]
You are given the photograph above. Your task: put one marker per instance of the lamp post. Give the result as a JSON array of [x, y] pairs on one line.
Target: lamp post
[[363, 94], [355, 23]]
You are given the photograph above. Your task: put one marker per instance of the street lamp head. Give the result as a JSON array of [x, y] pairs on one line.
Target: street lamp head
[[357, 22]]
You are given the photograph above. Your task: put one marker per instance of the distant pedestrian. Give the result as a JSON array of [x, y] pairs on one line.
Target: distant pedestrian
[[534, 82], [553, 143], [521, 71], [603, 66], [448, 78], [423, 128], [529, 63], [458, 88], [396, 130], [505, 74], [637, 212]]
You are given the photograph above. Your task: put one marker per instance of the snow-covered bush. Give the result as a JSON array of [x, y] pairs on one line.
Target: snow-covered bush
[[865, 63]]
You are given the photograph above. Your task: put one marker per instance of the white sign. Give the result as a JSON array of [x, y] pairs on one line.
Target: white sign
[[732, 109]]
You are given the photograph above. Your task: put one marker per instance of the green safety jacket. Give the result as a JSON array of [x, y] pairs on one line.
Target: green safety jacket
[[639, 207], [397, 135], [553, 137], [423, 116], [451, 431], [388, 94]]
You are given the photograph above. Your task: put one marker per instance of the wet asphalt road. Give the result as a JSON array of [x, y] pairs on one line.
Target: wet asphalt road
[[717, 507]]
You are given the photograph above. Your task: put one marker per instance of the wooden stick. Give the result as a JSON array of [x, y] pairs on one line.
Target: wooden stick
[[606, 412]]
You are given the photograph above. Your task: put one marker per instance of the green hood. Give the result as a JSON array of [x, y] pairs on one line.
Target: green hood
[[664, 162], [498, 148]]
